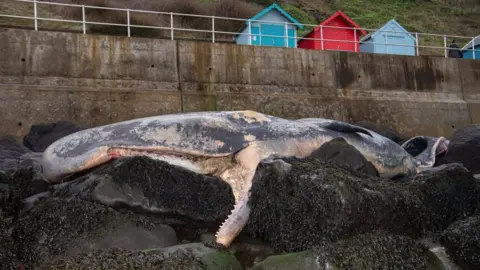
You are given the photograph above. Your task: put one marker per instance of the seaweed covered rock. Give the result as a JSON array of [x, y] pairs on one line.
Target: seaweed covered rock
[[248, 251], [462, 242], [22, 184], [11, 153], [312, 201], [375, 250], [41, 136], [4, 189], [7, 256], [464, 148], [180, 196], [339, 152], [193, 256], [58, 227]]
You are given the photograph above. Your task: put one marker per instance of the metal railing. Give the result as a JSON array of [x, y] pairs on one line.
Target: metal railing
[[285, 39]]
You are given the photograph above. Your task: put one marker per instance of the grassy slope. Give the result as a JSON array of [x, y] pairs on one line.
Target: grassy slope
[[418, 16], [26, 9], [451, 17]]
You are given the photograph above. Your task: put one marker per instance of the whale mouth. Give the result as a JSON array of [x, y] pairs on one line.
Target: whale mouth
[[426, 149], [185, 161]]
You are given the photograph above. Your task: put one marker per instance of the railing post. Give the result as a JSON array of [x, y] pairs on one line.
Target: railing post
[[213, 29], [35, 14], [171, 25], [260, 34], [416, 44], [321, 35], [128, 22], [445, 45], [386, 43], [83, 20], [473, 48], [249, 32], [355, 37], [286, 34]]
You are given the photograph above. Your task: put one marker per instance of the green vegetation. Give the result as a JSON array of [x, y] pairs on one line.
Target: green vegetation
[[456, 18], [301, 16], [450, 17]]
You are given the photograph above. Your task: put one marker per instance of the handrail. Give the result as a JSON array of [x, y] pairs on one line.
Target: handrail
[[248, 22]]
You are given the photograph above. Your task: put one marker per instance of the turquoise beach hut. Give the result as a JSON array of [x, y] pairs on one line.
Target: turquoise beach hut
[[399, 40], [272, 21], [472, 46]]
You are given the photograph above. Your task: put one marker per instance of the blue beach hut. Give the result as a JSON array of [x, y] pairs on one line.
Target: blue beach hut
[[472, 46], [273, 21], [375, 41]]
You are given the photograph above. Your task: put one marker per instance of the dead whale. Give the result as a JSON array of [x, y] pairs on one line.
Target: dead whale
[[227, 144], [425, 149]]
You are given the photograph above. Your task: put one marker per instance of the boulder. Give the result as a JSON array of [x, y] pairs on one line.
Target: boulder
[[42, 135], [339, 152], [462, 242], [20, 185], [7, 254], [188, 257], [58, 228], [181, 197], [464, 148], [248, 251], [375, 250], [312, 201], [383, 130], [444, 261], [11, 153]]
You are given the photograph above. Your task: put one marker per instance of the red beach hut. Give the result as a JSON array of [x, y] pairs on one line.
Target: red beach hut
[[346, 39]]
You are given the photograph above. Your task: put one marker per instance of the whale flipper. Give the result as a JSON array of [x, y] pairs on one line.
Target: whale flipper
[[346, 128]]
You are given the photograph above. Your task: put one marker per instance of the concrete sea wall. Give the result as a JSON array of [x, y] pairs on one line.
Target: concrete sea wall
[[94, 80]]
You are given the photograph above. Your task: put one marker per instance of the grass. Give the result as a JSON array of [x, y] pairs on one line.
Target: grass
[[26, 9], [418, 16], [450, 17]]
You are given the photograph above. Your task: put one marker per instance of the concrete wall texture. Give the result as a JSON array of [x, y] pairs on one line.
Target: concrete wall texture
[[94, 80]]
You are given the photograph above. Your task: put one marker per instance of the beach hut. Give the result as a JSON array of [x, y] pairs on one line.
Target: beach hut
[[270, 22], [338, 27], [472, 46], [391, 38]]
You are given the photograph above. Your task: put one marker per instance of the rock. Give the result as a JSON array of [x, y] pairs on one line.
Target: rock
[[464, 148], [383, 130], [338, 151], [58, 227], [22, 184], [300, 260], [11, 153], [42, 135], [318, 201], [189, 256], [462, 242], [444, 261], [248, 251], [4, 189], [188, 200], [376, 250], [7, 255]]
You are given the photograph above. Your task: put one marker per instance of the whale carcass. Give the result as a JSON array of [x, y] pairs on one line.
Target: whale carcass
[[228, 144]]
